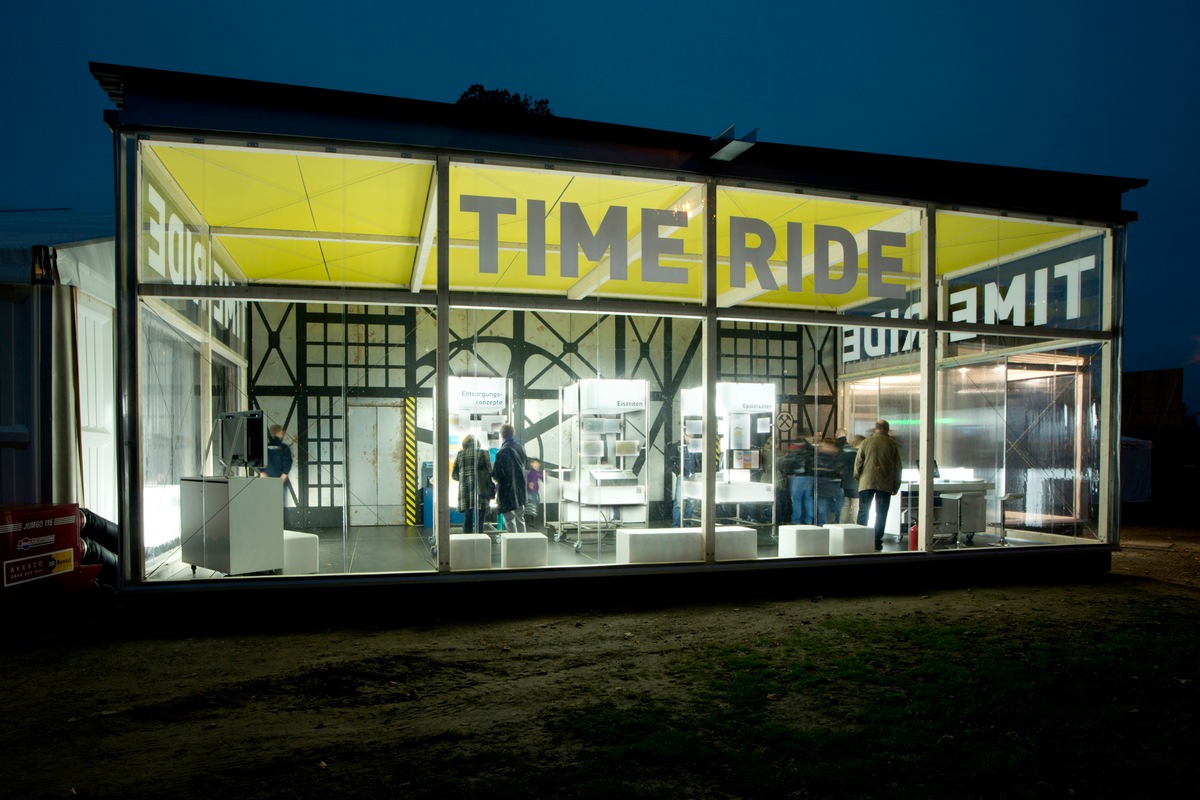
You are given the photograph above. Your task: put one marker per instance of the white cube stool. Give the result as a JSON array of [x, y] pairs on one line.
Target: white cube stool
[[847, 539], [470, 551], [803, 540], [659, 545], [301, 553], [523, 550], [736, 543]]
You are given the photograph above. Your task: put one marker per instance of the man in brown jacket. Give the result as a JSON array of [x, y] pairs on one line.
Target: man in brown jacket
[[877, 469]]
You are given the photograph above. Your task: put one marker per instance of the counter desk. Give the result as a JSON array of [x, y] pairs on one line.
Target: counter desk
[[959, 509]]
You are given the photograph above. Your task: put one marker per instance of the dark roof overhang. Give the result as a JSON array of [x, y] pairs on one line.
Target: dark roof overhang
[[159, 101]]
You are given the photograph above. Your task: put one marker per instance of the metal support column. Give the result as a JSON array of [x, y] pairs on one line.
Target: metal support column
[[1110, 388], [711, 371], [129, 473], [928, 409], [441, 414]]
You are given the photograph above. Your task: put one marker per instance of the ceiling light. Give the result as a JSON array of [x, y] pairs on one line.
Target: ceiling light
[[729, 147]]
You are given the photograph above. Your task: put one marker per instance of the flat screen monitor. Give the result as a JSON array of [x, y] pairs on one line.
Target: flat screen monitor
[[628, 447], [744, 459], [592, 448], [243, 439]]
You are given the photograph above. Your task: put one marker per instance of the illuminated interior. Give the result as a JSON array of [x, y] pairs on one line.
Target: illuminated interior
[[577, 288]]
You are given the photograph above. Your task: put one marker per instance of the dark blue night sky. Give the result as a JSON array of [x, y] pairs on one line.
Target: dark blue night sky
[[1100, 86]]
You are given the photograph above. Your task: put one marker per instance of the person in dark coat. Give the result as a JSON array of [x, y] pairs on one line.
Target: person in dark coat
[[802, 481], [829, 480], [849, 507], [279, 457], [509, 474], [877, 468], [473, 471]]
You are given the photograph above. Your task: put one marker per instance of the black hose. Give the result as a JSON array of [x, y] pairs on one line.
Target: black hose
[[101, 539]]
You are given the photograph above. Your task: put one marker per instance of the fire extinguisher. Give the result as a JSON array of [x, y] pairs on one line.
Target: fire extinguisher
[[912, 537]]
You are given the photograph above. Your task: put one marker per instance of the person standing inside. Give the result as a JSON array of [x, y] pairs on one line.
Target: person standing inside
[[683, 465], [802, 482], [849, 510], [877, 469], [509, 474], [829, 480], [533, 488], [473, 471], [279, 457]]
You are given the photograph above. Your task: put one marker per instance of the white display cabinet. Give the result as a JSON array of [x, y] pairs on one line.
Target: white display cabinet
[[232, 525], [744, 452], [602, 437]]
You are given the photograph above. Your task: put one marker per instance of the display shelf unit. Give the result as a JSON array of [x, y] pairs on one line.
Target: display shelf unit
[[744, 452], [602, 427]]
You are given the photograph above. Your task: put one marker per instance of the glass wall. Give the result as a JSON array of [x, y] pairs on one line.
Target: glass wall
[[574, 314], [1027, 415], [329, 390], [173, 436], [1016, 443], [778, 453], [592, 400], [591, 395], [1020, 273], [1028, 424]]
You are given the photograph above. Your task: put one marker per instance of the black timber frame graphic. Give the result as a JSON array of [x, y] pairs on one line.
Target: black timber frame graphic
[[388, 352]]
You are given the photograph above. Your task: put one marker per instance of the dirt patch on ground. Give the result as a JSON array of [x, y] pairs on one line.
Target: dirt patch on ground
[[96, 705], [1170, 555]]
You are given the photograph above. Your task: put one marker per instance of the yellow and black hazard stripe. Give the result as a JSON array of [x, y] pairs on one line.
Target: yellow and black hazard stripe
[[411, 490]]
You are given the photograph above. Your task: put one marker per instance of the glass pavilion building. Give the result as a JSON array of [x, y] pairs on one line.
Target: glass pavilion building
[[384, 278]]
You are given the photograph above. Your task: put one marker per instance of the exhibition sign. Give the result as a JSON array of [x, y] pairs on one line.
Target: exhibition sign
[[1059, 288], [227, 216]]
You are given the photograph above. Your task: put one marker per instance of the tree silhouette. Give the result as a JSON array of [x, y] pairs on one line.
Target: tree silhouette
[[503, 101]]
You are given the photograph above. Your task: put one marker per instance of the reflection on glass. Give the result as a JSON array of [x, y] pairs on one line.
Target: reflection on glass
[[172, 434], [1023, 273], [1015, 430]]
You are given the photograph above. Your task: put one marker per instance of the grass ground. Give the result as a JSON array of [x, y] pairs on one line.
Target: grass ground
[[1081, 689]]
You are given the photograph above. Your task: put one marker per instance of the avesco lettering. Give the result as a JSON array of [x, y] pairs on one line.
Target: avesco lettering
[[752, 243]]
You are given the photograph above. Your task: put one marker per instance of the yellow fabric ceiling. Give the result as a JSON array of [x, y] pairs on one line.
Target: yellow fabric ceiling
[[327, 218]]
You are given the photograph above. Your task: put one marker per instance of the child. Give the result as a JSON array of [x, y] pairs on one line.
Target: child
[[533, 488]]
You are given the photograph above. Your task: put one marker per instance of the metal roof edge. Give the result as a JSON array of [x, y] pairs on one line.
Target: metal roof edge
[[151, 98]]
